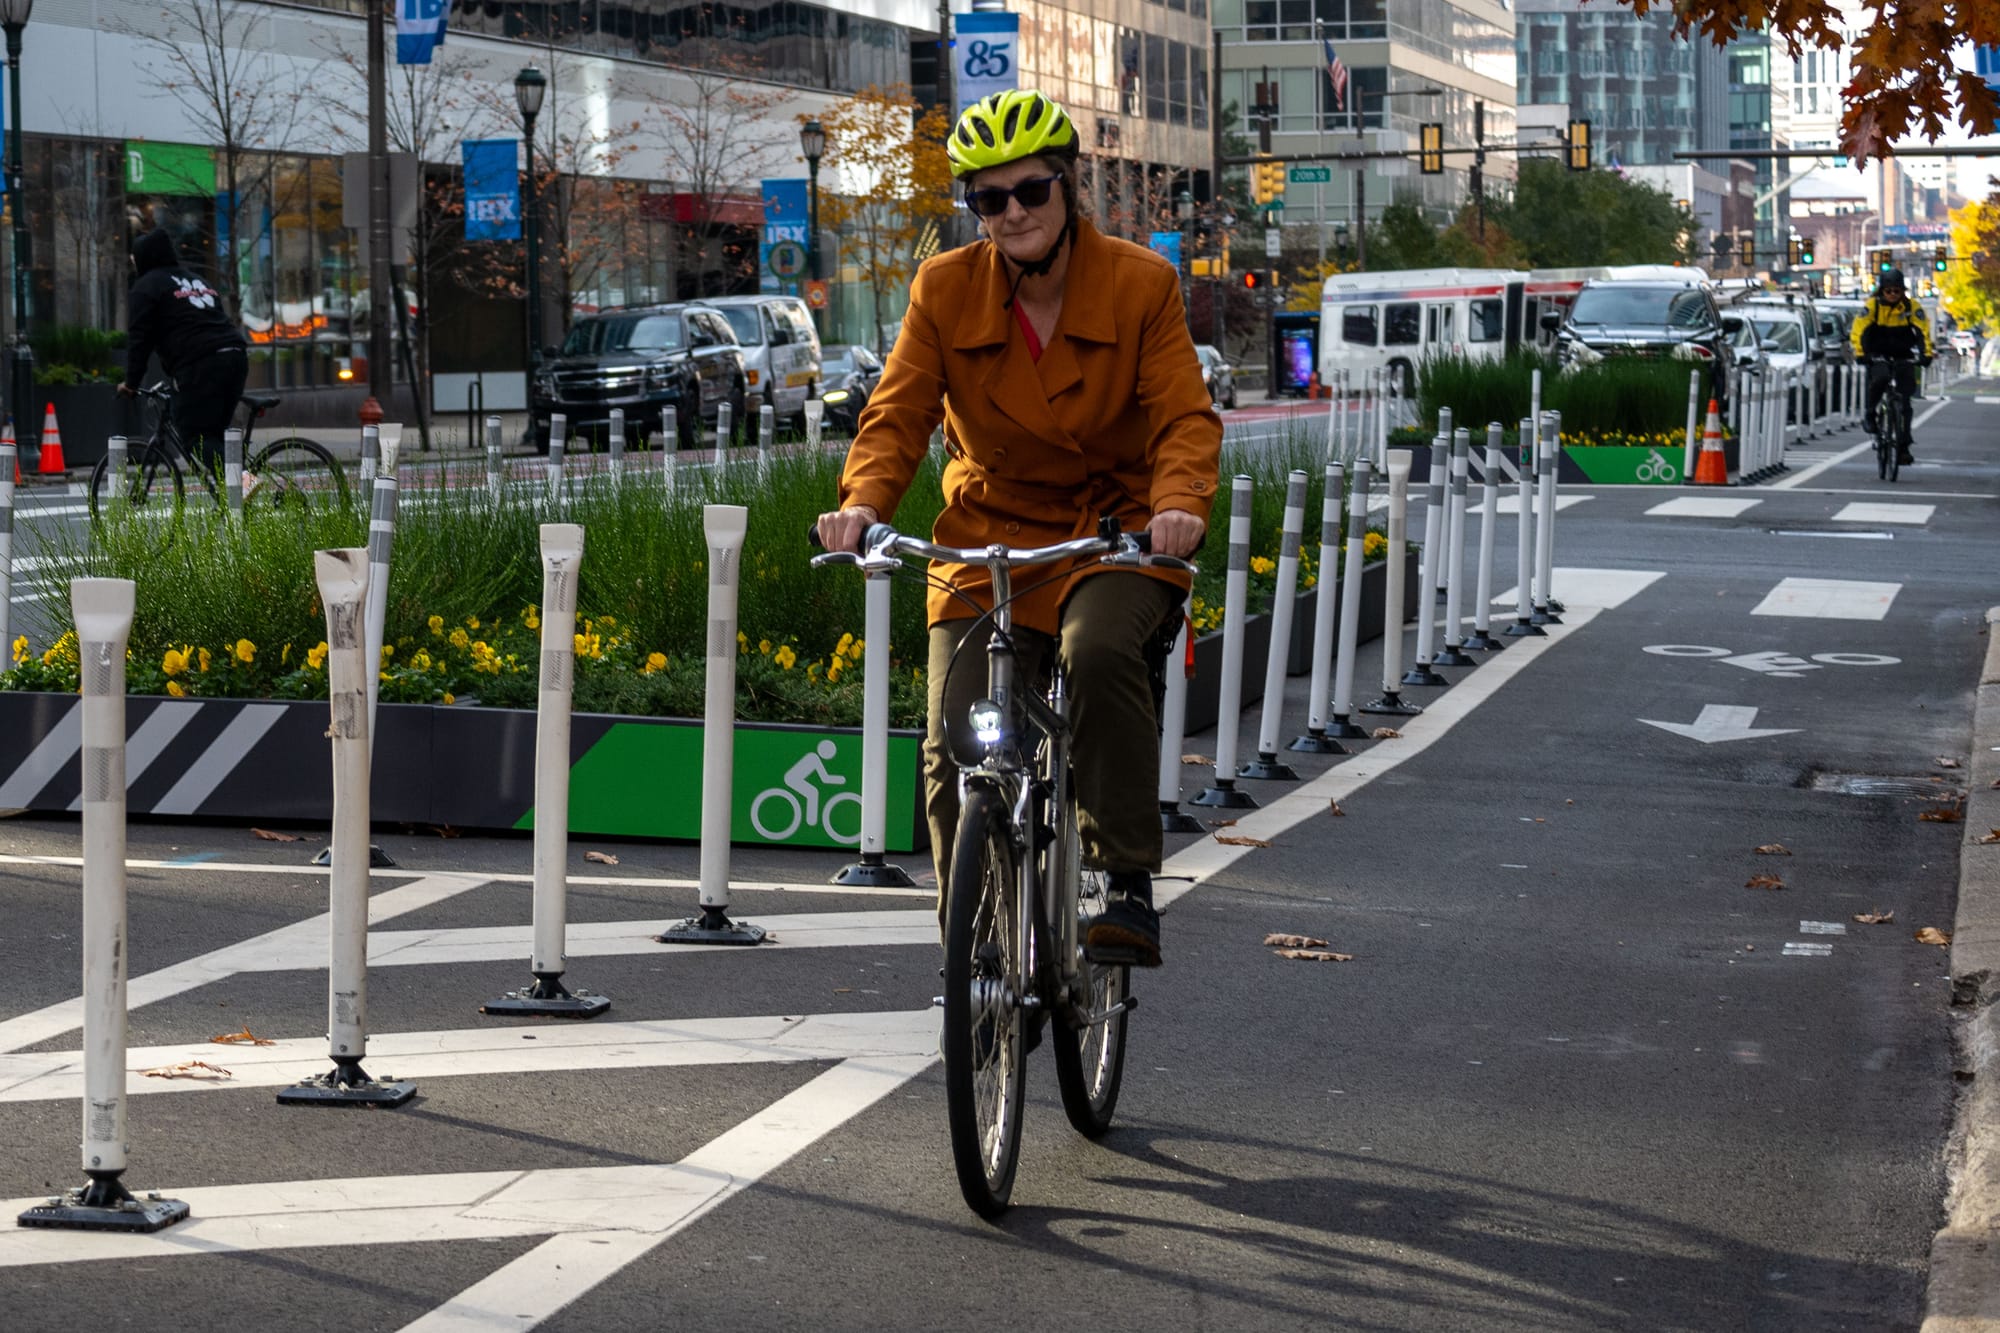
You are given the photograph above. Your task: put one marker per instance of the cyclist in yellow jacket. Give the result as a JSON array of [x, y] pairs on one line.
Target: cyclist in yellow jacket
[[1893, 327]]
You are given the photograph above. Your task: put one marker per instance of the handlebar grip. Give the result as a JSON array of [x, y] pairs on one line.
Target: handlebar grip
[[812, 536]]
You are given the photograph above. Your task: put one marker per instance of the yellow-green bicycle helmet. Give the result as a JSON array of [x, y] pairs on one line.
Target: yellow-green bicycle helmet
[[1006, 127]]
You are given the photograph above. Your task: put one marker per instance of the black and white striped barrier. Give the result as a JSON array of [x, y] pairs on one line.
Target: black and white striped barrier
[[767, 434], [1223, 791], [1524, 626], [1453, 653], [1392, 701], [496, 468], [1325, 632], [1173, 730], [232, 471], [872, 870], [1548, 441], [1267, 767], [1435, 538], [558, 446], [725, 526], [1482, 640], [725, 423], [343, 590], [9, 460], [371, 440], [562, 564], [617, 445], [103, 613]]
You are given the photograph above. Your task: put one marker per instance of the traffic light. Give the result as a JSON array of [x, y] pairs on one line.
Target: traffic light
[[1260, 279], [1747, 252], [1430, 144], [1792, 249], [1267, 182], [1938, 260], [1578, 153], [1806, 252], [1258, 194]]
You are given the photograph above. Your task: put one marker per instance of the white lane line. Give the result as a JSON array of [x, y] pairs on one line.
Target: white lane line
[[1702, 506], [1192, 866], [1601, 588], [1861, 511], [48, 1023], [1986, 400], [594, 1209], [1822, 927], [1807, 949], [1828, 599], [648, 1044], [1511, 504], [1799, 479], [1917, 495]]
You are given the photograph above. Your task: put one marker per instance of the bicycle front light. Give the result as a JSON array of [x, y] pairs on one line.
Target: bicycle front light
[[986, 722]]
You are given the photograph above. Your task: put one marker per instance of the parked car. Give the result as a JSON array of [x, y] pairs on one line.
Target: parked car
[[642, 359], [851, 372], [780, 348], [1647, 318], [1217, 375], [1788, 337]]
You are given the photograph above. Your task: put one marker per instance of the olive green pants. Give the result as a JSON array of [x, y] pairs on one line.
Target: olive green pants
[[1115, 749]]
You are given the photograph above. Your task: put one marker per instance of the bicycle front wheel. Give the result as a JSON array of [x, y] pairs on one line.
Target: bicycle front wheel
[[1895, 433], [984, 1025], [1090, 1057], [149, 489], [295, 473]]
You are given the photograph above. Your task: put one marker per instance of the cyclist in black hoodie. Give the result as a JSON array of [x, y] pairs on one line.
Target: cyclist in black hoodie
[[179, 316]]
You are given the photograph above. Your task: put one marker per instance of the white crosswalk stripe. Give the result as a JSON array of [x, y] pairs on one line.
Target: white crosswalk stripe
[[1863, 511], [1828, 599], [1702, 506]]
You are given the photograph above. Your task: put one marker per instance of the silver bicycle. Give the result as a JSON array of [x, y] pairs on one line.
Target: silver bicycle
[[1019, 894]]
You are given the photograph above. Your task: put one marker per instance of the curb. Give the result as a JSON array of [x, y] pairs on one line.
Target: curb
[[1964, 1290]]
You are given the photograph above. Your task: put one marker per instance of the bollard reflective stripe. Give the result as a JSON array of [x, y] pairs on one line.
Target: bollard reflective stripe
[[1325, 633], [1482, 639], [617, 445], [1267, 767], [495, 468], [1229, 704], [1350, 602], [1453, 653], [232, 471]]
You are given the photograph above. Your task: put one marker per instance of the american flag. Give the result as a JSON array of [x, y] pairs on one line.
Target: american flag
[[1337, 73]]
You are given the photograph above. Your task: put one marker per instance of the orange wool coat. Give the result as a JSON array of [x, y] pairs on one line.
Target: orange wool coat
[[1113, 419]]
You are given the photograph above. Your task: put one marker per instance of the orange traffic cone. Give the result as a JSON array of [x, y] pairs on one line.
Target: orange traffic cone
[[1710, 467], [52, 459]]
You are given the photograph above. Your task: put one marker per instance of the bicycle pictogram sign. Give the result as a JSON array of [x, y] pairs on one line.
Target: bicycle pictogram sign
[[800, 796], [1656, 468]]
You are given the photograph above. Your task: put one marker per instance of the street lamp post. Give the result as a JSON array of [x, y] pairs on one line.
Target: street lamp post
[[812, 144], [14, 17], [529, 87]]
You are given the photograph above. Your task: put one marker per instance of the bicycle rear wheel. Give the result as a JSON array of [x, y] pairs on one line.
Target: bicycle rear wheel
[[984, 1026], [150, 490], [296, 473], [1090, 1060], [1895, 433]]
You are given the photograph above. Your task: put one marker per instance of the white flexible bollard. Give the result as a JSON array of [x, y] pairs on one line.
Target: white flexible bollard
[[371, 437], [1371, 412], [1535, 395], [1693, 423], [1350, 605], [1453, 652], [496, 469], [103, 612], [767, 434], [724, 526], [725, 426], [1437, 509], [342, 577], [873, 869], [1545, 518], [1173, 730], [9, 460], [670, 445], [1530, 449], [1435, 538], [381, 543], [1267, 767], [117, 456], [1482, 640], [815, 424], [232, 471], [1392, 701], [562, 564], [617, 447], [1336, 409], [1326, 633], [558, 447], [1223, 791]]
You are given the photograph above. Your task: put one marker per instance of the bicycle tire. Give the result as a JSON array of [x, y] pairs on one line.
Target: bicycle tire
[[296, 473], [1895, 433], [984, 1025], [147, 469], [1090, 1060]]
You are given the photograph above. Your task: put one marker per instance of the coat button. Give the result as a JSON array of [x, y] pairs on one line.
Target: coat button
[[999, 457], [1013, 528], [1197, 486]]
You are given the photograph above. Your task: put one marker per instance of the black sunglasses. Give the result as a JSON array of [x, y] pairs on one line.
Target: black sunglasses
[[991, 202]]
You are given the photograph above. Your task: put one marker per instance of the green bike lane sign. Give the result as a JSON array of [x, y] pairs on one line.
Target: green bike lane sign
[[1616, 466]]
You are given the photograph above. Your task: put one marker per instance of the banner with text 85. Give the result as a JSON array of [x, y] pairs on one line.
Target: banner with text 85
[[985, 55], [492, 190]]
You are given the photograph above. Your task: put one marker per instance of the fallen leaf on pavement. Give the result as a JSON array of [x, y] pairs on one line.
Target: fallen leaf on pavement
[[1293, 942], [1315, 956], [602, 858], [1878, 917], [1221, 823], [1946, 761], [1198, 760], [188, 1069], [446, 831], [1991, 835], [1951, 816], [268, 836], [1763, 882], [1774, 849], [1932, 935], [1333, 808], [1241, 842], [244, 1038], [1385, 734]]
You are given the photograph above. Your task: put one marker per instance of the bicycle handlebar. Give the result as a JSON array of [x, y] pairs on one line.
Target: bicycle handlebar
[[882, 543]]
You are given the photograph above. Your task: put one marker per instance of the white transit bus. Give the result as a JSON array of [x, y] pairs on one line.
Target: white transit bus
[[1392, 321]]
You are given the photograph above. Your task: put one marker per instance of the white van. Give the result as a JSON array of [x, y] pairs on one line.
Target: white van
[[780, 349]]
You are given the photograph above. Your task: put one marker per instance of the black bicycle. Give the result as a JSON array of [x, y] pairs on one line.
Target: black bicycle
[[294, 472], [1892, 418]]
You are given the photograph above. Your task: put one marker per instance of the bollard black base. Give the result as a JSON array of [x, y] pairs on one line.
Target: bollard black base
[[1223, 796], [377, 858], [548, 998], [347, 1084], [1393, 704], [1421, 674], [871, 872], [1479, 641], [1317, 742], [1266, 767], [1173, 819], [1544, 617], [1452, 655], [1556, 606], [105, 1205], [1525, 629], [713, 926]]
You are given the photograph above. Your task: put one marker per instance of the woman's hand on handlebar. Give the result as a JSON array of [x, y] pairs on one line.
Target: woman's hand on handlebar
[[1176, 532], [843, 529]]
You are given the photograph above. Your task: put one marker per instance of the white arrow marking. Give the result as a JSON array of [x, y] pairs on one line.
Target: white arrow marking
[[1720, 722]]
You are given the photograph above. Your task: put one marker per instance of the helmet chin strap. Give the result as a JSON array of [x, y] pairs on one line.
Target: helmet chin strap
[[1039, 267]]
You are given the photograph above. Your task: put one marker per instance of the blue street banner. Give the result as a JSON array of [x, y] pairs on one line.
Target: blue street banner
[[1986, 64], [985, 54], [1166, 244], [419, 30], [785, 219], [492, 189]]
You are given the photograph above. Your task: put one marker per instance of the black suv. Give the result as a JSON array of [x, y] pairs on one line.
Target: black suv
[[1644, 319], [642, 359]]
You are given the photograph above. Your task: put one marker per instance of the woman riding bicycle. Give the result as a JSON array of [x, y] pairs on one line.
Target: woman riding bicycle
[[1060, 363], [1888, 332]]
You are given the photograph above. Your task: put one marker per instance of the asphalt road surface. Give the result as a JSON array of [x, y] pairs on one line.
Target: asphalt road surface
[[1578, 1074]]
